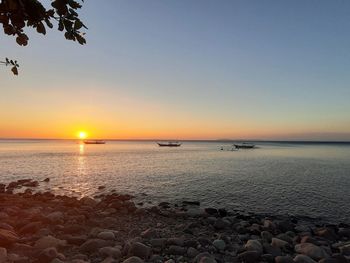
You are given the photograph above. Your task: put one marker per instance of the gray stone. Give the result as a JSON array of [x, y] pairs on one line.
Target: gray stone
[[207, 260], [276, 242], [93, 245], [133, 260], [192, 252], [47, 255], [49, 241], [303, 259], [266, 236], [110, 252], [139, 250], [176, 250], [106, 235], [149, 233], [198, 258], [311, 250], [254, 245], [158, 242], [249, 256], [283, 259], [219, 244]]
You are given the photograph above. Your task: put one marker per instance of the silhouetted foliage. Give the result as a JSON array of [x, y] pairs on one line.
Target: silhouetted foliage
[[16, 15], [12, 63]]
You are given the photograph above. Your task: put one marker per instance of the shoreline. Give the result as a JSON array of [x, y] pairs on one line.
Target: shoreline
[[43, 227]]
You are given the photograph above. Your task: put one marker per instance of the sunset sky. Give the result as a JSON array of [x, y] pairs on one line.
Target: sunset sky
[[185, 70]]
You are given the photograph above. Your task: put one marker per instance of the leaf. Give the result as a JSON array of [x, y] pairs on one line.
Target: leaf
[[40, 28], [78, 24], [14, 70], [60, 25], [80, 39]]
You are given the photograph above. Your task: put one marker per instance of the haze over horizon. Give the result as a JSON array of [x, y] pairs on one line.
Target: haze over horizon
[[266, 70]]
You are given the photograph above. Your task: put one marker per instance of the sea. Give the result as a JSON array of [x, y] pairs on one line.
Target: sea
[[285, 178]]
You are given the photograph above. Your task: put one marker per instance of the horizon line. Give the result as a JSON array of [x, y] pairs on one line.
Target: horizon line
[[184, 140]]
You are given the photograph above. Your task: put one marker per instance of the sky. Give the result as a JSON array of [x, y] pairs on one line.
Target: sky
[[185, 69]]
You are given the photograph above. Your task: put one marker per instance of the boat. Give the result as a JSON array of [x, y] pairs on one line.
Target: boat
[[244, 146], [169, 144], [94, 142]]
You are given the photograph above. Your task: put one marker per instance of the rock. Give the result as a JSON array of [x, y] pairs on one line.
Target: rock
[[345, 250], [106, 235], [176, 250], [22, 249], [284, 259], [56, 260], [111, 252], [158, 242], [133, 260], [191, 203], [46, 180], [30, 228], [285, 237], [7, 237], [211, 211], [219, 244], [276, 242], [327, 233], [149, 233], [266, 236], [49, 241], [47, 255], [274, 251], [3, 255], [268, 258], [139, 250], [55, 217], [88, 201], [221, 224], [311, 250], [93, 245], [175, 241], [303, 259], [198, 258], [254, 245], [192, 252], [222, 212], [249, 256], [207, 260]]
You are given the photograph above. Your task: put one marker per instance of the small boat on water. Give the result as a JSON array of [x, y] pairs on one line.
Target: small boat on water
[[94, 142], [244, 146], [169, 144]]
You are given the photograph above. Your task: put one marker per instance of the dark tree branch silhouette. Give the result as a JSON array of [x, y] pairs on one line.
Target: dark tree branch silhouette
[[16, 15]]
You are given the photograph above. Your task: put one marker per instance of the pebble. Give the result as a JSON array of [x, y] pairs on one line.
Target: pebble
[[133, 260], [106, 235], [303, 259], [110, 252], [254, 245], [49, 241], [176, 250], [192, 252], [140, 250], [93, 245], [311, 250], [283, 259], [219, 244], [3, 255]]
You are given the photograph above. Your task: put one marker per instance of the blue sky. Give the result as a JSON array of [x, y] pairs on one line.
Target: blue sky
[[194, 69]]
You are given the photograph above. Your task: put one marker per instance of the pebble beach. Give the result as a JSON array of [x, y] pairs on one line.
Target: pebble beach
[[44, 227]]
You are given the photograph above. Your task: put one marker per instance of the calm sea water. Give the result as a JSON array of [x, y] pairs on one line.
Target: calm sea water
[[283, 178]]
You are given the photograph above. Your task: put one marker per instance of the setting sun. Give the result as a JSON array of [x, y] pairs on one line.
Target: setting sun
[[82, 134]]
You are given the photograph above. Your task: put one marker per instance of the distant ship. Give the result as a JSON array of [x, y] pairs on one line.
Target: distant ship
[[94, 142], [244, 146], [169, 144]]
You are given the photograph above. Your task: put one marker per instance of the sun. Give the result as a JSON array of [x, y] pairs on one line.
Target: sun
[[82, 135]]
